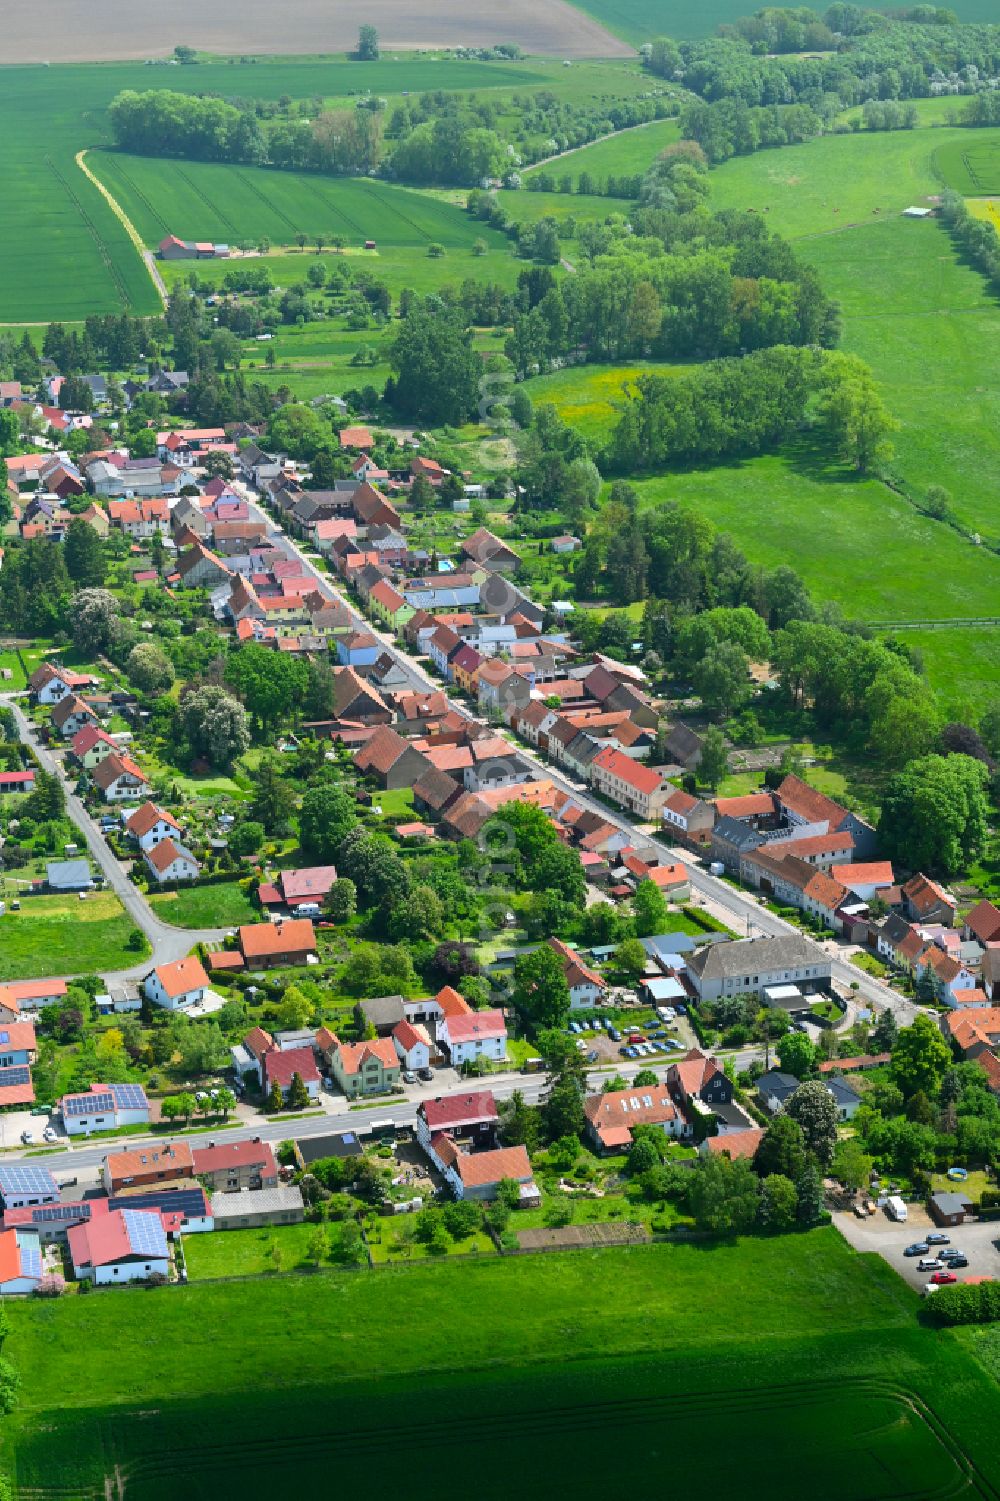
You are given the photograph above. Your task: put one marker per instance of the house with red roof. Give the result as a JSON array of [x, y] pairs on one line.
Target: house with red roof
[[947, 975], [20, 1261], [629, 784], [178, 985], [687, 817], [672, 879], [308, 886], [611, 1115], [169, 860], [70, 715], [982, 923], [16, 781], [267, 944], [478, 1175], [586, 987], [120, 779], [92, 745], [282, 1064], [363, 1068], [413, 1044], [150, 825], [231, 1166], [476, 1034], [865, 880], [123, 1245], [925, 901], [734, 1144]]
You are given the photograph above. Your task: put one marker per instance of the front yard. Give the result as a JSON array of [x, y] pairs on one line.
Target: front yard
[[226, 905]]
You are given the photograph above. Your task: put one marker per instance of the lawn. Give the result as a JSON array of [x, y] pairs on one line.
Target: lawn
[[11, 662], [60, 935], [840, 1373], [248, 1253], [223, 906]]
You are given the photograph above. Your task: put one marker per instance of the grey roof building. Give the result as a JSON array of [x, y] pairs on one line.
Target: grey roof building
[[250, 1207], [69, 875], [383, 1012], [747, 966]]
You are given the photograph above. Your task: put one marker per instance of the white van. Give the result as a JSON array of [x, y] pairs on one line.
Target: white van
[[896, 1209], [307, 909]]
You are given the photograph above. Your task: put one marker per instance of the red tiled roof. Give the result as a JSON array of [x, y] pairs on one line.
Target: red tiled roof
[[736, 1143], [181, 976], [870, 873], [264, 939], [480, 1169], [147, 816], [455, 1111], [751, 805], [642, 778], [236, 1154], [354, 1055], [280, 1066], [476, 1025]]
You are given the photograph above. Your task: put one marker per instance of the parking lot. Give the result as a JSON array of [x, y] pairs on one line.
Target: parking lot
[[979, 1241]]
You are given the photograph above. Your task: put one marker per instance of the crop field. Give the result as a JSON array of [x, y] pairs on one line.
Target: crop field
[[60, 935], [858, 1403], [59, 31], [642, 20], [623, 155], [218, 201], [970, 164]]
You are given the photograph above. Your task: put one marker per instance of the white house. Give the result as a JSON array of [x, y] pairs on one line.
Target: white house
[[478, 1034], [170, 861], [750, 965], [123, 1245], [177, 986], [21, 1186], [412, 1044], [20, 1261], [121, 780], [148, 825], [586, 987], [104, 1107]]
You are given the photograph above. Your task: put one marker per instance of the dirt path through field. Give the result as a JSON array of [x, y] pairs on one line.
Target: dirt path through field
[[127, 225], [66, 31]]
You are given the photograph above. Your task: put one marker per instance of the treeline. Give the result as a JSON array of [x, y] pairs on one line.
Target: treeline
[[976, 238], [739, 407], [731, 127], [874, 57], [160, 122], [982, 109], [600, 187]]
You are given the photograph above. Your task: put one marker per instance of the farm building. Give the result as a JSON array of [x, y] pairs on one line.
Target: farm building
[[173, 249]]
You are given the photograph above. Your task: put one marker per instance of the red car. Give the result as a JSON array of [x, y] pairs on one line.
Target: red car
[[940, 1279], [634, 1037]]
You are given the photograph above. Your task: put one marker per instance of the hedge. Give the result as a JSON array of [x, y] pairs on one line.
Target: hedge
[[964, 1303]]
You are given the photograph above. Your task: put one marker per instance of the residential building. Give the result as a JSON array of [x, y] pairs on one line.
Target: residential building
[[265, 944], [611, 1116], [363, 1068], [478, 1175], [282, 1064], [927, 902], [392, 761], [472, 1117], [637, 788], [586, 987], [253, 1209], [478, 1034], [687, 816], [120, 779], [23, 1187], [92, 745], [178, 985], [147, 1166], [149, 825], [171, 861], [122, 1245], [413, 1045], [20, 1261]]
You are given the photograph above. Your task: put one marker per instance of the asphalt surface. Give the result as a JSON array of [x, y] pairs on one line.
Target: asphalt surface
[[167, 943], [746, 914], [979, 1241]]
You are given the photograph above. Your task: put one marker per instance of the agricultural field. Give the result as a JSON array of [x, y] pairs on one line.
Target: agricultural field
[[623, 155], [218, 201], [586, 396], [930, 329], [841, 1376], [642, 20], [970, 164], [60, 935]]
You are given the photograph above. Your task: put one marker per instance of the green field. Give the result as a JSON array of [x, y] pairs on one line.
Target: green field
[[623, 155], [930, 329], [640, 21], [60, 935], [398, 266], [588, 396], [964, 665], [10, 662], [796, 1347], [222, 906], [248, 1253], [970, 166]]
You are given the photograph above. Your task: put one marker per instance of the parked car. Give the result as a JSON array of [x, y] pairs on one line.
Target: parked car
[[957, 1259], [929, 1264], [48, 1134], [26, 1137], [427, 1074], [634, 1037], [614, 1034], [941, 1279], [592, 1056], [919, 1248], [938, 1238], [408, 1076]]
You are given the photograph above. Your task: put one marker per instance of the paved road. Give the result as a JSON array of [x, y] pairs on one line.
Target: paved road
[[168, 943], [745, 913]]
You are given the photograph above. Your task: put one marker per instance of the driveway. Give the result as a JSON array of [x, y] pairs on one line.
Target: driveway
[[979, 1240], [167, 943]]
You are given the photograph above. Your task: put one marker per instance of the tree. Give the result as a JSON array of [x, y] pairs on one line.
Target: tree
[[437, 371], [273, 800], [368, 50], [417, 917], [885, 1033], [650, 910], [724, 1195], [797, 1054], [851, 1164], [342, 900], [94, 614], [779, 1202], [540, 991], [519, 1122], [813, 1107], [171, 1109], [215, 725], [935, 813], [225, 1102], [722, 678], [642, 1157], [295, 1010], [920, 1058], [246, 838], [327, 816], [218, 464], [809, 1188], [298, 1094], [853, 414], [275, 1099], [645, 1077], [630, 958], [83, 552], [714, 764], [562, 1110], [149, 669], [781, 1149], [318, 1245]]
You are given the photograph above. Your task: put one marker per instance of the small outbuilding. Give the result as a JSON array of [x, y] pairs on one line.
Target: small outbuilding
[[949, 1208]]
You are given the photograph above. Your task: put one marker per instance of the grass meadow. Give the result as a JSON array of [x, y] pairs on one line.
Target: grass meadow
[[970, 164], [221, 906], [796, 1338], [623, 155], [588, 396], [60, 935]]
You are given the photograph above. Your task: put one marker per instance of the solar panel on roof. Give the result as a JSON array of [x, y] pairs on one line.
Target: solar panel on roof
[[129, 1096], [31, 1261], [19, 1073], [47, 1214], [32, 1180], [88, 1104], [145, 1233], [188, 1201]]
